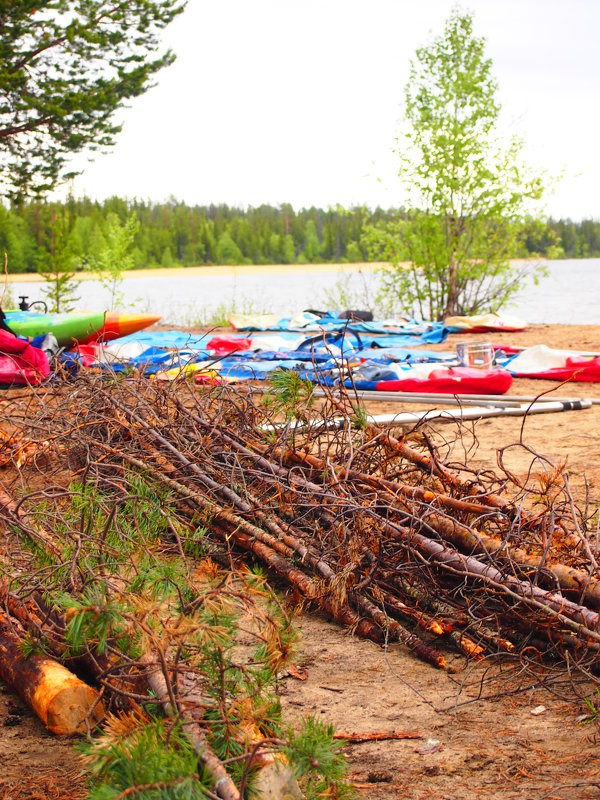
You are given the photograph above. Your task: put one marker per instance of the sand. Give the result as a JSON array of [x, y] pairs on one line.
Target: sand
[[470, 749], [217, 271]]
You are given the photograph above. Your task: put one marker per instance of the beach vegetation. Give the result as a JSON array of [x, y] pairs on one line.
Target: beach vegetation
[[468, 190], [113, 255], [57, 266], [360, 290]]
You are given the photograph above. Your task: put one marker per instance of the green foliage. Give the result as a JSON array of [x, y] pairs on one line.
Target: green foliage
[[173, 234], [290, 394], [153, 760], [194, 544], [593, 707], [354, 254], [360, 417], [114, 254], [312, 249], [93, 619], [318, 761], [161, 580], [469, 192], [60, 290], [56, 266], [227, 250], [31, 645], [66, 67], [158, 760], [289, 250]]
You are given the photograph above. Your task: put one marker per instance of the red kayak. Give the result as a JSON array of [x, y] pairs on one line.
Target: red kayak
[[579, 369], [117, 325], [455, 380], [20, 363]]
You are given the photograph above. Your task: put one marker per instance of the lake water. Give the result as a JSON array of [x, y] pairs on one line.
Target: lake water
[[569, 294]]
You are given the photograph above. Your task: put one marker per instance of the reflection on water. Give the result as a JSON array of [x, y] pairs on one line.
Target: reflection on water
[[570, 294]]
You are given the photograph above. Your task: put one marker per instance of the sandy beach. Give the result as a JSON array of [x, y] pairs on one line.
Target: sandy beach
[[481, 742], [216, 271]]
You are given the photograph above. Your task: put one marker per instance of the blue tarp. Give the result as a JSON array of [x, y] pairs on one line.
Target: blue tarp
[[257, 370], [175, 340], [318, 355], [331, 321]]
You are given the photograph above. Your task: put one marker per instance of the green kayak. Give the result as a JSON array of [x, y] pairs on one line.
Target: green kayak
[[67, 328]]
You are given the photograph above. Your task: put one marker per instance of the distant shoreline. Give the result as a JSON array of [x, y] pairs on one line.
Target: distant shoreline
[[215, 271], [241, 269]]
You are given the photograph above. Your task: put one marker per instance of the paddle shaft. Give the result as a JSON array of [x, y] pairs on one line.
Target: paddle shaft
[[447, 415], [463, 399]]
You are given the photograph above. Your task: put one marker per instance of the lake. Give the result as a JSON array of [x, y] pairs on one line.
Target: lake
[[569, 294]]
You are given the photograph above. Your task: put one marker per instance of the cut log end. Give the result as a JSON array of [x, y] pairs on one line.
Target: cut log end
[[65, 704], [74, 710]]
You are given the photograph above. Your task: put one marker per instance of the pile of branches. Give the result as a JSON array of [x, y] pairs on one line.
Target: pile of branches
[[378, 528]]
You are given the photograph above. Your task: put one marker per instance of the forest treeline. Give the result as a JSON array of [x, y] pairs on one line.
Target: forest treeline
[[175, 234]]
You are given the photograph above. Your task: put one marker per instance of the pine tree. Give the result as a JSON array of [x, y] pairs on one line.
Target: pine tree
[[66, 67]]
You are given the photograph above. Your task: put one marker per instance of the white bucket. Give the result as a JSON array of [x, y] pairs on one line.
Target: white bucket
[[475, 354]]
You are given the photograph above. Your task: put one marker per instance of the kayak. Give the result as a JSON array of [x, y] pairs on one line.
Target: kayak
[[117, 325], [456, 380], [67, 328], [549, 364], [484, 323]]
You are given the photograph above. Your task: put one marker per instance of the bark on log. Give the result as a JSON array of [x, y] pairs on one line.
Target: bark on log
[[223, 786], [553, 605], [15, 517], [475, 542], [64, 703]]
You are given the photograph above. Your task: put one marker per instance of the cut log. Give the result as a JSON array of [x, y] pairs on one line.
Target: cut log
[[65, 704]]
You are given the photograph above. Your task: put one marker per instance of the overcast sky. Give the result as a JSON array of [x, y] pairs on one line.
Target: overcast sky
[[299, 101]]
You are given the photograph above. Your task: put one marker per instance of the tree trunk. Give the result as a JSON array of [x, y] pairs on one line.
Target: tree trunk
[[451, 309]]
